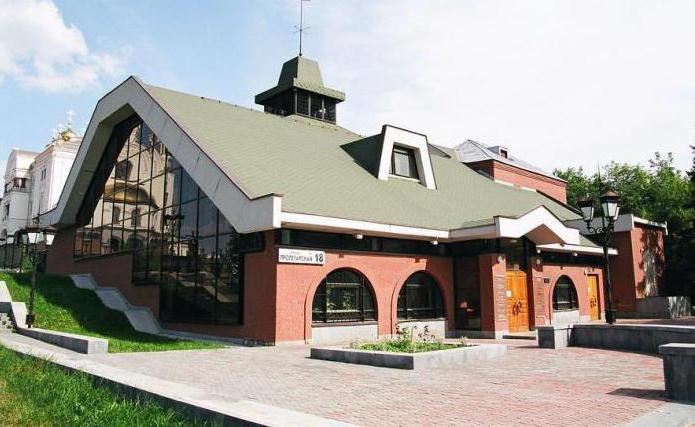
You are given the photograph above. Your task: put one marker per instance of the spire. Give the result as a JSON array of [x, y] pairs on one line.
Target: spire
[[70, 116], [301, 27]]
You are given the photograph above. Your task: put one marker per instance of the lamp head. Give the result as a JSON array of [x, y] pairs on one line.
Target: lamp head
[[586, 205], [609, 205]]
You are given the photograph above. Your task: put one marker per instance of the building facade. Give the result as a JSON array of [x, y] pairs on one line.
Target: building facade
[[33, 181], [282, 226]]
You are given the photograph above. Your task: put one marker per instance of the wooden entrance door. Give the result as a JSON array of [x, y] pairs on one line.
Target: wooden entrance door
[[594, 309], [517, 301]]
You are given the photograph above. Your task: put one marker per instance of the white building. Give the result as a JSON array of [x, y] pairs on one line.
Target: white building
[[34, 181], [14, 207]]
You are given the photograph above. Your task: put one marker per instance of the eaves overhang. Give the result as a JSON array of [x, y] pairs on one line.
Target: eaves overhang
[[539, 225]]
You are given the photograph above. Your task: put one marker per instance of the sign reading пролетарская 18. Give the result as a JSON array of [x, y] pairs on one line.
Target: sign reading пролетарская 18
[[301, 256]]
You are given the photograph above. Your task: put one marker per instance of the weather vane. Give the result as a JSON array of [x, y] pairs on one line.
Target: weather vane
[[301, 27]]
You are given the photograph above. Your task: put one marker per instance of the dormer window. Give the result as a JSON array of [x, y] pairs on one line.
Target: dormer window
[[405, 154], [403, 163]]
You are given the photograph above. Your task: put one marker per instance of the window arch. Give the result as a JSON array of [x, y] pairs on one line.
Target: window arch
[[420, 298], [565, 295], [343, 296]]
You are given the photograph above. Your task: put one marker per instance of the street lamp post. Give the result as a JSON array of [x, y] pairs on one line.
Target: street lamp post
[[31, 237], [9, 241], [609, 205]]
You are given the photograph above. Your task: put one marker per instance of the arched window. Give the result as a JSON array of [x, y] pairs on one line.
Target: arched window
[[420, 298], [565, 295], [343, 296]]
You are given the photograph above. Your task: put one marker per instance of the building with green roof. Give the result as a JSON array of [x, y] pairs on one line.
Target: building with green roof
[[280, 225]]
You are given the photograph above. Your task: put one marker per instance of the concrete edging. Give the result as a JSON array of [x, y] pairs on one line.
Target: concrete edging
[[641, 338], [679, 370], [182, 398], [430, 359], [78, 343]]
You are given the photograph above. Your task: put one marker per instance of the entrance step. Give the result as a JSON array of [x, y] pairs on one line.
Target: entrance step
[[530, 335]]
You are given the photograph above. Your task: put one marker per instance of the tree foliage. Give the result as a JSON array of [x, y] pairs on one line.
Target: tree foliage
[[658, 192]]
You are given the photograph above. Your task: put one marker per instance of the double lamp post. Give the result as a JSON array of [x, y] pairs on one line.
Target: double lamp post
[[31, 237], [604, 231]]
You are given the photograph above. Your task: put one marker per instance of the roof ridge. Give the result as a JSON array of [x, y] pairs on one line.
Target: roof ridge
[[322, 125]]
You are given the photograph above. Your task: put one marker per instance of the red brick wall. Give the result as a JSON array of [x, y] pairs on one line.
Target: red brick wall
[[493, 292], [627, 268], [543, 292], [554, 188], [296, 285]]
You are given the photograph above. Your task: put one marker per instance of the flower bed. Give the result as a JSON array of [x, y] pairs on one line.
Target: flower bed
[[407, 342], [407, 352]]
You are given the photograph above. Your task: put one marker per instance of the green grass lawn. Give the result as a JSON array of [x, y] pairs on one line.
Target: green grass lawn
[[60, 306], [35, 392]]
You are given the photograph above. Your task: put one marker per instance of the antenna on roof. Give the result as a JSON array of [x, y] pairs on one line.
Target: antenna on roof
[[301, 27]]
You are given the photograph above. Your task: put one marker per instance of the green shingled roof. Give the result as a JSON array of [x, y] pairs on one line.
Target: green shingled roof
[[303, 73], [324, 169]]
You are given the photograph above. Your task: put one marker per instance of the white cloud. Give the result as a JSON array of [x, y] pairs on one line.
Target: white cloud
[[39, 50], [559, 82]]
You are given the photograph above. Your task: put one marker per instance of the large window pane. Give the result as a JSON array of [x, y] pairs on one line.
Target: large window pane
[[188, 221], [189, 189], [229, 279], [207, 218]]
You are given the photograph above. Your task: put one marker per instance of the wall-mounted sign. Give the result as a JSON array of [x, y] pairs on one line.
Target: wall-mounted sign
[[301, 256]]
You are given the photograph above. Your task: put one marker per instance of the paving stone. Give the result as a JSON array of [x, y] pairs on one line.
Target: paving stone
[[528, 386]]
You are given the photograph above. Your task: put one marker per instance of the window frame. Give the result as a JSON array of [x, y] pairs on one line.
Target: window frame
[[324, 316], [568, 289], [418, 280], [409, 153]]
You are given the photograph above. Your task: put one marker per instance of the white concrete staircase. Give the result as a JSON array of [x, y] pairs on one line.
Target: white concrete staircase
[[141, 318]]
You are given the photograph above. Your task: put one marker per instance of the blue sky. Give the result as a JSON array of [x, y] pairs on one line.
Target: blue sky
[[561, 83]]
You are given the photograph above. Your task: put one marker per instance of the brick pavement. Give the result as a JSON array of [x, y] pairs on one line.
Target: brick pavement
[[576, 386]]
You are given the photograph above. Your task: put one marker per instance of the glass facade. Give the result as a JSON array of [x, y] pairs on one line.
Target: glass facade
[[343, 296], [420, 298], [141, 201]]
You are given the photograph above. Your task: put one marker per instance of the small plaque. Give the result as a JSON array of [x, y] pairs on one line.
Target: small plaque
[[301, 256]]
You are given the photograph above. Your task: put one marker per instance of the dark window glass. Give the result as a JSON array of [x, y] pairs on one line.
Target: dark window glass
[[229, 278], [420, 298], [403, 162], [188, 222], [343, 296], [122, 169], [565, 295], [303, 103], [140, 266], [207, 218], [189, 189]]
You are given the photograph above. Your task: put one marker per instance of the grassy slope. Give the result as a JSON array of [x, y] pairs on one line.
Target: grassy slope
[[34, 392], [60, 306]]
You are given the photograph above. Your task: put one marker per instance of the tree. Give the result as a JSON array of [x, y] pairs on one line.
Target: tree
[[658, 192]]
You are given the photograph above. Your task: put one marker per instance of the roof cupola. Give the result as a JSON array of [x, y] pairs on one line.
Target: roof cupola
[[300, 90]]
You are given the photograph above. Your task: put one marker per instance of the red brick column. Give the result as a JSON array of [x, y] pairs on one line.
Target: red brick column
[[493, 294]]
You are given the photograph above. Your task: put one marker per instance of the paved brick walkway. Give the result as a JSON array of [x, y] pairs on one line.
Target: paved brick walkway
[[572, 386]]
